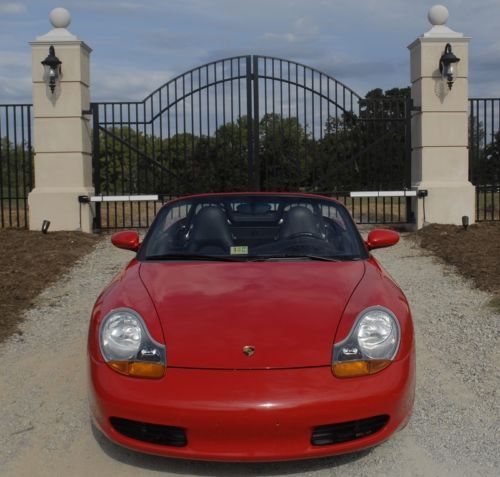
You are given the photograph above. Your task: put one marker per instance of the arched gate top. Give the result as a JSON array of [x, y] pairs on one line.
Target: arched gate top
[[255, 68]]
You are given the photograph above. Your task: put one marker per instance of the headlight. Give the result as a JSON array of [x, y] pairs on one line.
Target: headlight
[[378, 334], [121, 336], [127, 346], [371, 345]]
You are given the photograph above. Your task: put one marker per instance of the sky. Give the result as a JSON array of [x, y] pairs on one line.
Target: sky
[[139, 44]]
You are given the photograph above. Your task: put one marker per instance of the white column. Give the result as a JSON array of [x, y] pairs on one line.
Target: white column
[[440, 162], [62, 136]]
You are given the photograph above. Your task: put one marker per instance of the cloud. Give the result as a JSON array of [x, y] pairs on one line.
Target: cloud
[[487, 59], [125, 83], [15, 90], [108, 83], [348, 67], [360, 42], [15, 76], [303, 30], [12, 7], [280, 37], [175, 43], [111, 6], [484, 70], [14, 59]]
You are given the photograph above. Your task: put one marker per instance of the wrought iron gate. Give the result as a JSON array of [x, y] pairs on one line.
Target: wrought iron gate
[[484, 156], [251, 123], [16, 164]]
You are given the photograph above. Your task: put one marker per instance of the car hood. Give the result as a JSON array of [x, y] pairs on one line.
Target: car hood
[[287, 311]]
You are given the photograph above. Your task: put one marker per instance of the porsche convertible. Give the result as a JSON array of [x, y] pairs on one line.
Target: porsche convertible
[[251, 327]]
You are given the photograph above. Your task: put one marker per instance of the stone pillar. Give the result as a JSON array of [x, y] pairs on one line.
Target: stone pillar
[[440, 162], [62, 136]]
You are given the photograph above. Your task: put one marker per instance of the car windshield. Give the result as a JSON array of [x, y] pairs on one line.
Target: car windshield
[[253, 227]]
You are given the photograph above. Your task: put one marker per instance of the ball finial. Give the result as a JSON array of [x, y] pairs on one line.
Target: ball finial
[[438, 15], [60, 18]]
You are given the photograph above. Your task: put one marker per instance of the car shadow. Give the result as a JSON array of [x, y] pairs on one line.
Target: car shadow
[[220, 469]]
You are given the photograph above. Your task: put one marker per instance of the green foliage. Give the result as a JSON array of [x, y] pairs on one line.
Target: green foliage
[[351, 152], [283, 154], [491, 170], [377, 93], [337, 168], [16, 163], [484, 156], [134, 162], [369, 150], [476, 151]]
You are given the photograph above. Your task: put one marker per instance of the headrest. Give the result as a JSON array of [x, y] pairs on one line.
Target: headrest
[[299, 220], [209, 227]]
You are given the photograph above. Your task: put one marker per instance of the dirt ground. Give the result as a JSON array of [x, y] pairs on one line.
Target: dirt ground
[[475, 252], [45, 425], [29, 262]]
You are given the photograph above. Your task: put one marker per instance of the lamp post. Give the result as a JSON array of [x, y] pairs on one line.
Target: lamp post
[[52, 65], [447, 65]]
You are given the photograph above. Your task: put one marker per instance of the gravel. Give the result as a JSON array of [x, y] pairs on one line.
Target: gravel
[[45, 428]]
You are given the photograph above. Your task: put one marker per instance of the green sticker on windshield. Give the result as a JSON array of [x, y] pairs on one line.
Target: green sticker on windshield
[[243, 250]]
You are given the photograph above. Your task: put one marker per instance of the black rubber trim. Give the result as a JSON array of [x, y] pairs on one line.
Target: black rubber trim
[[152, 433], [347, 431]]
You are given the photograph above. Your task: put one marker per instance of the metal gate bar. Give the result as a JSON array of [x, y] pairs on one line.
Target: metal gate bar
[[16, 164], [301, 130], [484, 156]]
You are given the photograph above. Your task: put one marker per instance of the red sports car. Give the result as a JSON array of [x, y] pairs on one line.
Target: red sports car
[[252, 327]]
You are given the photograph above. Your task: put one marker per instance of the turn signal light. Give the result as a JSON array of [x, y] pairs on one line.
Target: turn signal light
[[350, 369], [139, 369]]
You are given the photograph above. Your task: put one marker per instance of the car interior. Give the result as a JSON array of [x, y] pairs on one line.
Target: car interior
[[253, 227]]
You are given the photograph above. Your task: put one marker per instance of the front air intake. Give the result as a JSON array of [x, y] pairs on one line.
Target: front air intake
[[152, 433], [347, 431]]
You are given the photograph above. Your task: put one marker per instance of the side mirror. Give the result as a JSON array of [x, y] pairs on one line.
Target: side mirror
[[128, 240], [380, 238]]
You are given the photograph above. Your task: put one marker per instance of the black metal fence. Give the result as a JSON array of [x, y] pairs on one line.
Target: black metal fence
[[16, 164], [249, 123], [252, 123], [484, 156]]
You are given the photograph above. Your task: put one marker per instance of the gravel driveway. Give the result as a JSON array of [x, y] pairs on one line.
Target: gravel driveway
[[45, 428]]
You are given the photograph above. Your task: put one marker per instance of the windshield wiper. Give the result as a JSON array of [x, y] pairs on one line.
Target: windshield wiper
[[242, 258], [192, 256], [310, 257]]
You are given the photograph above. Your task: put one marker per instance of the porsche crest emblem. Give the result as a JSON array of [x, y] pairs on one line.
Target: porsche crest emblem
[[248, 350]]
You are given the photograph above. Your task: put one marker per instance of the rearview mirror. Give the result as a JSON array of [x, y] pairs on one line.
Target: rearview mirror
[[128, 240], [380, 238]]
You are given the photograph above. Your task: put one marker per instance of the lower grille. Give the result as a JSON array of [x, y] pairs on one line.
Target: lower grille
[[152, 433], [347, 431]]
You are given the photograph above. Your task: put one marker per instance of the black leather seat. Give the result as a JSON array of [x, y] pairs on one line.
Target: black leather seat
[[209, 232], [300, 222]]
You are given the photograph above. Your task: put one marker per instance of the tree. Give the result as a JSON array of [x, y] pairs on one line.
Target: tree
[[282, 155], [385, 155], [353, 151], [360, 151], [491, 164], [16, 165], [337, 170]]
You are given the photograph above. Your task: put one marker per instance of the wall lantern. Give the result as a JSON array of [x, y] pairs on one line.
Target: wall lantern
[[52, 65], [447, 66]]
